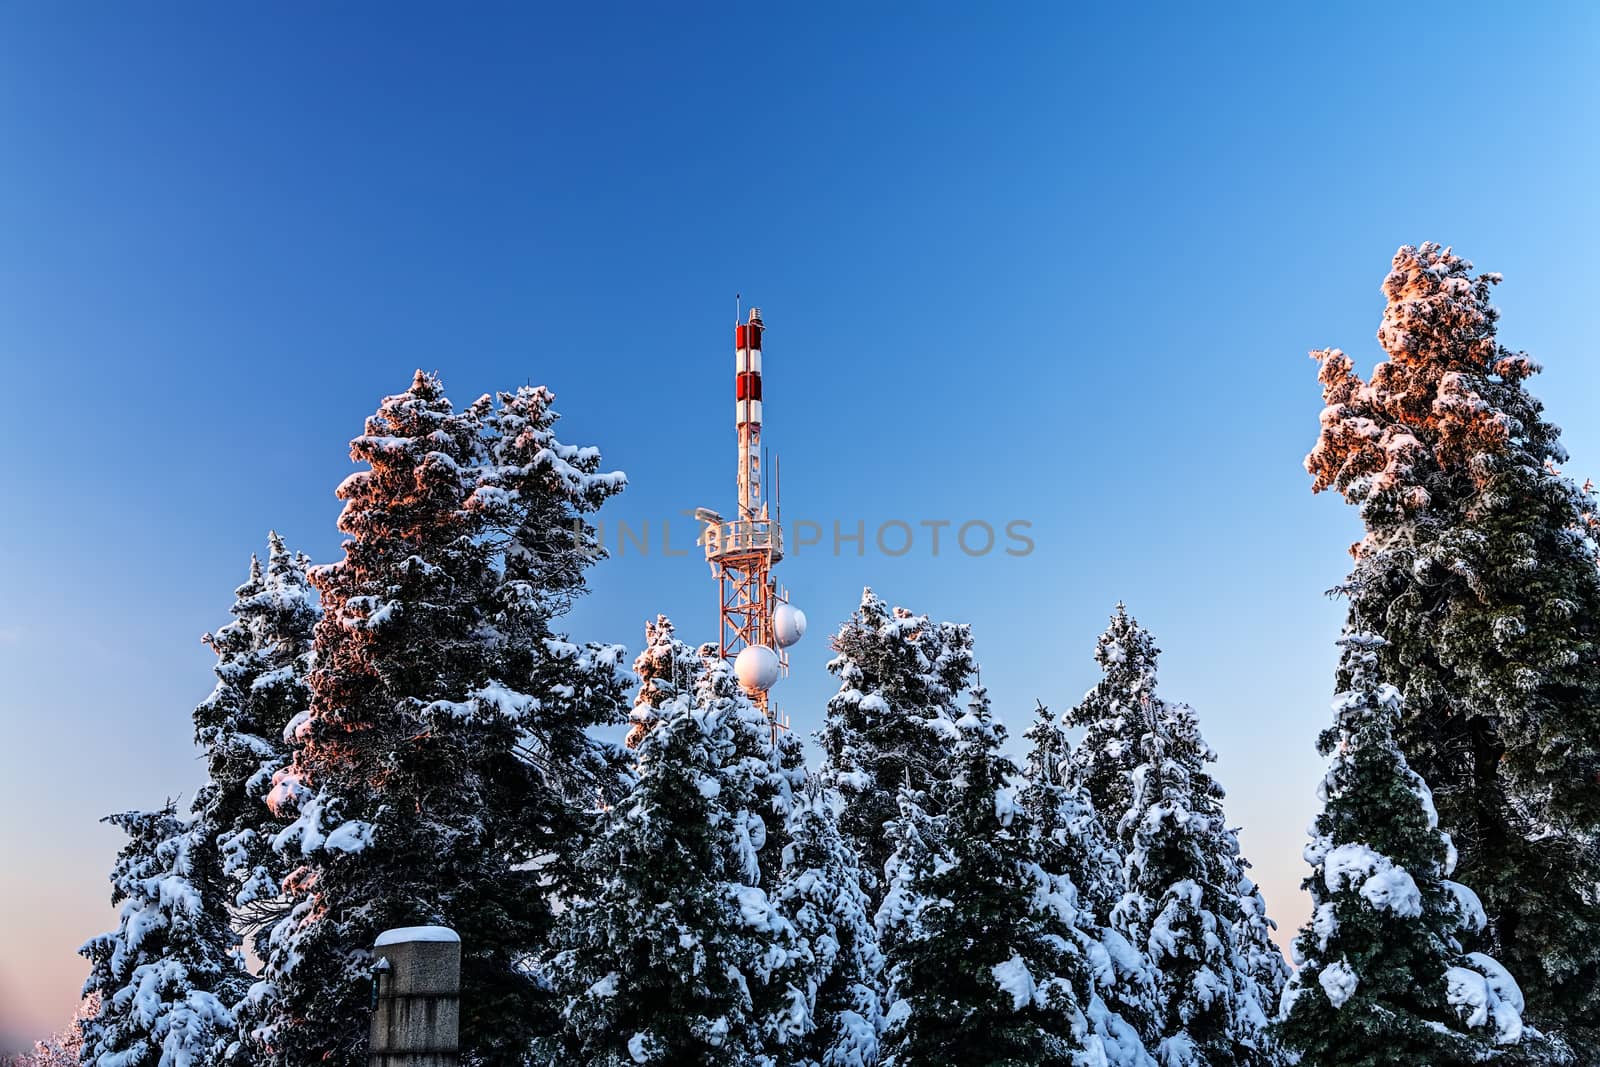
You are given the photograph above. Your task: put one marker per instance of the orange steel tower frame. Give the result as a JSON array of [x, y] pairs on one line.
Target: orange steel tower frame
[[742, 551]]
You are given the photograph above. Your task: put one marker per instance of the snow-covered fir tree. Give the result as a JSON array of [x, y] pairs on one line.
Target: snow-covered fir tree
[[1114, 714], [666, 669], [1183, 877], [916, 849], [263, 662], [840, 976], [990, 965], [163, 981], [892, 723], [1478, 567], [444, 774], [1383, 978], [1072, 844], [1255, 932], [668, 956]]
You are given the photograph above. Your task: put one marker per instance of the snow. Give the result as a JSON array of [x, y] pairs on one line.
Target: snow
[[1338, 982], [1394, 889], [1486, 997], [1014, 978], [1383, 885], [1468, 906], [1325, 924], [408, 934], [636, 1048], [1006, 807], [352, 836]]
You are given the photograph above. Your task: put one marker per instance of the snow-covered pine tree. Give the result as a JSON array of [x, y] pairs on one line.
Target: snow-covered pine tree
[[444, 774], [665, 958], [666, 669], [1114, 714], [916, 841], [990, 966], [1261, 959], [1383, 979], [892, 723], [1183, 878], [841, 976], [263, 660], [1478, 568], [1073, 845], [166, 976]]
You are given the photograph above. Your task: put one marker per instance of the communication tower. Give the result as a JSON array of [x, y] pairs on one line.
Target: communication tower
[[757, 622]]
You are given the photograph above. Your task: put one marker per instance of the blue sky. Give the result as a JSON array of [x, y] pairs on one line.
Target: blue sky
[[1038, 262]]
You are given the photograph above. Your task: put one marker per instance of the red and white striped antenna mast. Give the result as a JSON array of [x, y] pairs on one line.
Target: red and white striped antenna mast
[[755, 620]]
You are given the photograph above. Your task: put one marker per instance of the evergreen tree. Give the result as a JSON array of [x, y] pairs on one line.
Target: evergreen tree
[[1186, 901], [1114, 713], [1383, 979], [263, 660], [666, 669], [838, 1022], [445, 774], [163, 980], [990, 966], [1183, 877], [1073, 845], [892, 723], [1262, 962], [665, 958], [916, 842], [1478, 568]]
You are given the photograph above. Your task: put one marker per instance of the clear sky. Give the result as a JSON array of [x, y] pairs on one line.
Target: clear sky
[[1029, 262]]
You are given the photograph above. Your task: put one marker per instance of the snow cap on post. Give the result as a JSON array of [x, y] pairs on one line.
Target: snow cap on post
[[416, 1018]]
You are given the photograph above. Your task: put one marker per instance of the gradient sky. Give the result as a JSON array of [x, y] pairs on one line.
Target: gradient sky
[[1035, 263]]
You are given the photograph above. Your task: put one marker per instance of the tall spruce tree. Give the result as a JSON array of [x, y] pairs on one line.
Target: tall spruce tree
[[892, 723], [1072, 844], [1113, 714], [665, 958], [1478, 568], [1183, 873], [667, 668], [1383, 978], [444, 774], [1261, 959], [991, 967], [263, 662], [1196, 916], [840, 976], [163, 981]]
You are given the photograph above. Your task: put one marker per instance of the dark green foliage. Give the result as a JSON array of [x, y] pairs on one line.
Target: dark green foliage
[[263, 660], [665, 957], [1113, 713], [1479, 569], [979, 977], [1381, 960], [446, 749], [890, 724], [161, 984]]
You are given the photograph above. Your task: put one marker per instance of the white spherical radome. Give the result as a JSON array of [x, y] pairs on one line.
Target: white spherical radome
[[788, 624], [757, 668]]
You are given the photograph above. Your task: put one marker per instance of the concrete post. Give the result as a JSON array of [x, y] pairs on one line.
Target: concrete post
[[416, 1016]]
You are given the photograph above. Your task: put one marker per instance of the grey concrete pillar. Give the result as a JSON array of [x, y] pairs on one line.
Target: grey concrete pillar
[[416, 1016]]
